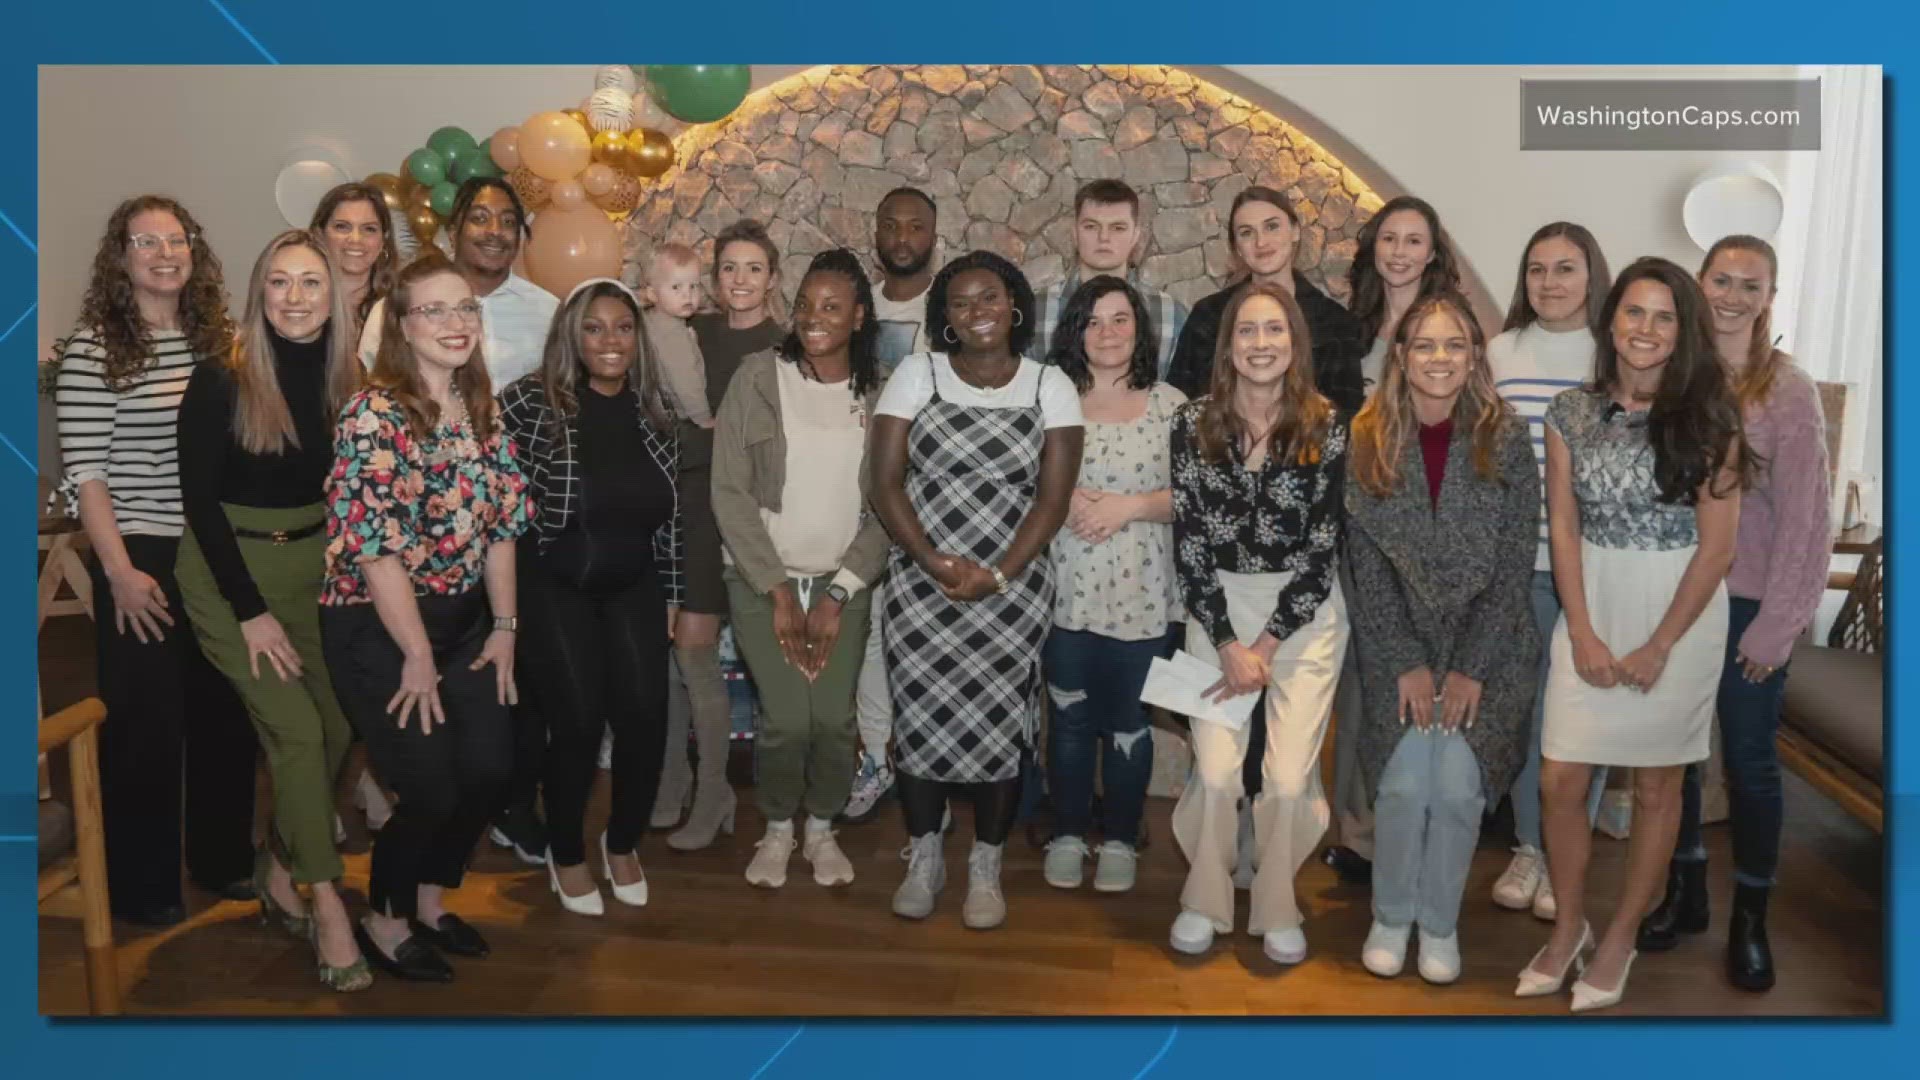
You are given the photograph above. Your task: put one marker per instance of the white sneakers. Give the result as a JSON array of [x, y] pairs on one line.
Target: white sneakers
[[1115, 871], [830, 864], [1517, 884], [771, 852], [1285, 947], [985, 907], [926, 876], [1385, 952], [1066, 864], [1192, 933], [1440, 958]]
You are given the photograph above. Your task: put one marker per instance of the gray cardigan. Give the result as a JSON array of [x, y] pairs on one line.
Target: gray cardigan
[[1448, 587]]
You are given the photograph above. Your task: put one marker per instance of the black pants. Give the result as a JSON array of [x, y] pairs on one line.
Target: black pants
[[995, 804], [594, 657], [448, 782], [168, 708]]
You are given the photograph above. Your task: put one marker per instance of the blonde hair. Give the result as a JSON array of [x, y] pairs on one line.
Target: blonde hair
[[1387, 421], [262, 423], [671, 256]]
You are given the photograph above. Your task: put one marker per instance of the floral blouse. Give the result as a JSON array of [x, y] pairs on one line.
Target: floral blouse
[[1283, 518], [1122, 588], [436, 503], [1613, 482]]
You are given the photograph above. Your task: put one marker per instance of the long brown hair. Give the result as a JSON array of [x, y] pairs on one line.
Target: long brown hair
[[1258, 193], [385, 264], [1520, 313], [562, 370], [1387, 421], [1304, 414], [1752, 384], [397, 371], [1369, 290], [261, 422], [109, 309]]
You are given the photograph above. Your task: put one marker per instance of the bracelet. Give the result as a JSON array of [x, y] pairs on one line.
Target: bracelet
[[999, 579], [509, 623]]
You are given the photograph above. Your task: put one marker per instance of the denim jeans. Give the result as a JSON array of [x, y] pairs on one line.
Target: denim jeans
[[1426, 825], [1094, 683], [1525, 792], [1749, 719]]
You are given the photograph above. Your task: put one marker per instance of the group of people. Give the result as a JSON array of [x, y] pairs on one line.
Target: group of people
[[952, 521]]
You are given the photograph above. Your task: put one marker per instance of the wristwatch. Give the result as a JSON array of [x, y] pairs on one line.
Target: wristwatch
[[838, 594], [509, 623]]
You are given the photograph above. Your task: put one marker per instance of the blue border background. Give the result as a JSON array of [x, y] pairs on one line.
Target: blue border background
[[978, 31]]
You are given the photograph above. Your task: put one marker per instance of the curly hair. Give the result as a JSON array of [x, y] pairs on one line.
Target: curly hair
[[1387, 421], [1069, 343], [385, 264], [109, 307], [397, 370], [1009, 275], [1369, 289], [1304, 414], [861, 361], [1694, 424]]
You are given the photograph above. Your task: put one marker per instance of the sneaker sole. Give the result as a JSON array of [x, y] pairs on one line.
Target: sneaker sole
[[1112, 886], [1284, 959], [1448, 981], [1063, 883], [1524, 905], [501, 840], [1379, 974]]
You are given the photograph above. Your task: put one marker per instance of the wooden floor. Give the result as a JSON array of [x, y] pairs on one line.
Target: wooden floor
[[711, 945]]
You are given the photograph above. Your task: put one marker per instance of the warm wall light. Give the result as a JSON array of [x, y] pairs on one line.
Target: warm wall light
[[300, 186], [1733, 197]]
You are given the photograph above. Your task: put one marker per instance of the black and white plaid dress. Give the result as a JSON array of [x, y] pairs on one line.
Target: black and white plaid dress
[[965, 677]]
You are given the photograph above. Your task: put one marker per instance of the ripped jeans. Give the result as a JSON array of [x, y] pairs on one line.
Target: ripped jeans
[[1093, 687]]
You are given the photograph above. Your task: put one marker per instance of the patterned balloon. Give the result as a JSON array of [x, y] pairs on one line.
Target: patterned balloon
[[622, 198], [534, 191], [615, 76], [610, 109]]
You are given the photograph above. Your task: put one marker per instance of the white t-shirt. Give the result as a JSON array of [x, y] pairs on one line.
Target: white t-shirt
[[1530, 366], [913, 382], [903, 327], [819, 510]]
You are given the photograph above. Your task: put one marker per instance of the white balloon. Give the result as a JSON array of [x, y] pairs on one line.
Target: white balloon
[[610, 109], [617, 76], [405, 244], [645, 114]]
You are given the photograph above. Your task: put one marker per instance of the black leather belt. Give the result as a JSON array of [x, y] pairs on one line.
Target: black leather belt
[[280, 536]]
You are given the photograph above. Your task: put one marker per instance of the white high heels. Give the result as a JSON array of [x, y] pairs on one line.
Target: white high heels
[[1587, 997], [1539, 984], [587, 904], [634, 895]]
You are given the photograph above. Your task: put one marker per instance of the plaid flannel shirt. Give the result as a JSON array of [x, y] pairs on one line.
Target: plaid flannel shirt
[[1169, 316]]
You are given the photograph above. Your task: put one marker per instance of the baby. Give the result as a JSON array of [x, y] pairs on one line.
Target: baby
[[672, 291]]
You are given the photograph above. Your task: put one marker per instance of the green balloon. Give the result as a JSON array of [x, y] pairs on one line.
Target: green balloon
[[427, 165], [450, 141], [443, 194], [466, 164], [699, 93]]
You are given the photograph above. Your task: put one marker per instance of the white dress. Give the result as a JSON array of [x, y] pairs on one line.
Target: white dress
[[1633, 552]]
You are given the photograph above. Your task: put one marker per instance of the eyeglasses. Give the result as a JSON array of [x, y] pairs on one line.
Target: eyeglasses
[[147, 243], [441, 314]]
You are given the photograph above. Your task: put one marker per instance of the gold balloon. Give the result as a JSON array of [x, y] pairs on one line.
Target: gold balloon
[[420, 196], [424, 223], [610, 148], [388, 185], [652, 152]]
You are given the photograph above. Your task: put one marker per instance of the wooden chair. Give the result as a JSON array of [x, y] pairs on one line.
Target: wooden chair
[[77, 728], [1833, 725]]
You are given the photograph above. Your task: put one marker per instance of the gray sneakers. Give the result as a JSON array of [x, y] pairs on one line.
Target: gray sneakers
[[985, 908], [926, 876]]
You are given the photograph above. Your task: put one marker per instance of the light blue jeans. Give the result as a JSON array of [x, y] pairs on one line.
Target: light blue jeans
[[1426, 824], [1525, 792]]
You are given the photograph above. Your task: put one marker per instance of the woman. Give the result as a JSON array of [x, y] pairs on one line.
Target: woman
[[746, 275], [1262, 232], [1552, 329], [599, 588], [423, 506], [975, 450], [1258, 466], [1441, 513], [255, 449], [790, 487], [1779, 571], [1644, 471], [1411, 257], [1113, 565], [352, 221], [155, 307]]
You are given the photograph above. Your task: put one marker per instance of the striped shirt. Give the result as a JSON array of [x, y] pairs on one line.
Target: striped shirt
[[1169, 317], [127, 439], [1530, 366]]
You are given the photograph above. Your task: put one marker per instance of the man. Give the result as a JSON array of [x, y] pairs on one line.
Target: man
[[487, 227], [1108, 239]]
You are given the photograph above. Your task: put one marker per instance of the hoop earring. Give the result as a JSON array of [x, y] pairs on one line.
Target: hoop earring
[[946, 335], [1017, 317]]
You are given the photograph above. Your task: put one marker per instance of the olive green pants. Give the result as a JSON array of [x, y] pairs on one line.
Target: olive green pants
[[302, 730], [804, 753]]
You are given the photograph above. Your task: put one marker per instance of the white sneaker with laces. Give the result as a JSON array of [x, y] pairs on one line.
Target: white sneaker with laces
[[1520, 881], [926, 876], [1385, 952], [1439, 958], [1114, 872], [1544, 906], [771, 852], [1285, 946], [1192, 933], [1066, 865], [986, 906], [830, 864], [871, 783]]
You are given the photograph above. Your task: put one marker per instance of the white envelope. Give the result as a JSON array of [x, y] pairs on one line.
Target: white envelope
[[1177, 685]]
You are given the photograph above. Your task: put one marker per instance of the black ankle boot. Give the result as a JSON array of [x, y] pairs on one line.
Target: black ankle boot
[[1683, 910], [1749, 957]]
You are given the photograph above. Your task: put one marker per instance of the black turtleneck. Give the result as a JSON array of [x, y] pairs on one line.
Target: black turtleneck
[[214, 469]]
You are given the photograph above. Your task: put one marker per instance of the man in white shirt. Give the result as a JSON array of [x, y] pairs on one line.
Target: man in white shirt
[[487, 227]]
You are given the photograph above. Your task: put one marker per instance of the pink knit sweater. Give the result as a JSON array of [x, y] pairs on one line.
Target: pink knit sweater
[[1785, 539]]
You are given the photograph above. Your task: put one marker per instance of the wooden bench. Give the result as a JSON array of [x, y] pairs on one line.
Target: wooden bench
[[77, 727], [1833, 725]]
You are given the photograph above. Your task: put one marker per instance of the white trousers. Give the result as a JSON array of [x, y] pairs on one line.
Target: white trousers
[[873, 704], [1291, 812]]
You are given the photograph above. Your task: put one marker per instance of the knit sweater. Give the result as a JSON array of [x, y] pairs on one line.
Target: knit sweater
[[1785, 540]]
